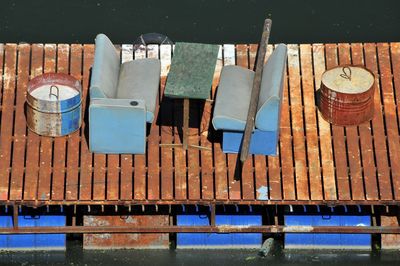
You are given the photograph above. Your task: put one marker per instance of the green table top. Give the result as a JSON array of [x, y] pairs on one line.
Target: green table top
[[192, 70]]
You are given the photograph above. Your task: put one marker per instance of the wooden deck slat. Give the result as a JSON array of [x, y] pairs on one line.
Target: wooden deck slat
[[46, 143], [4, 191], [260, 162], [32, 174], [302, 187], [353, 148], [139, 160], [247, 181], [153, 143], [233, 167], [221, 174], [339, 141], [383, 175], [193, 155], [18, 160], [71, 184], [60, 143], [367, 151], [327, 159], [395, 59], [310, 117], [85, 184], [7, 116], [166, 109], [391, 124], [126, 179]]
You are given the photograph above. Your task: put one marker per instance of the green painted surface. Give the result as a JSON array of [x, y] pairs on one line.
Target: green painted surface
[[192, 70]]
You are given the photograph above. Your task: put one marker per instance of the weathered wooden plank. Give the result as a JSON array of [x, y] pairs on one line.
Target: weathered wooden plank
[[4, 192], [139, 188], [33, 143], [165, 111], [260, 162], [339, 141], [385, 189], [391, 125], [325, 139], [60, 143], [367, 153], [193, 155], [153, 143], [299, 148], [310, 116], [85, 185], [395, 59], [353, 148], [18, 158], [126, 179], [7, 116], [46, 143], [221, 177], [71, 184], [242, 60], [233, 162]]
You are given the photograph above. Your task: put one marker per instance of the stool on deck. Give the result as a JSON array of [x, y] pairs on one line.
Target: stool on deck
[[233, 99], [123, 99]]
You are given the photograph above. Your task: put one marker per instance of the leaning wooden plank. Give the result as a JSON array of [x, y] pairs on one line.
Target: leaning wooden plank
[[391, 125], [353, 148], [60, 143], [234, 174], [339, 141], [310, 117], [7, 116], [367, 149], [126, 182], [165, 111], [33, 143], [242, 60], [385, 188], [85, 185], [328, 170], [260, 162], [153, 143], [255, 91], [220, 173], [395, 56], [18, 160], [139, 189], [71, 184], [299, 149]]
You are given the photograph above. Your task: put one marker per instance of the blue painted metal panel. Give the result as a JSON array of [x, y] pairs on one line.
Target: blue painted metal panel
[[262, 142], [336, 241], [70, 121], [33, 241], [206, 240]]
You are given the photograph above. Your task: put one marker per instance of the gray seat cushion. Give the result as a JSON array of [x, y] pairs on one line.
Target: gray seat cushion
[[105, 69], [233, 98], [140, 79]]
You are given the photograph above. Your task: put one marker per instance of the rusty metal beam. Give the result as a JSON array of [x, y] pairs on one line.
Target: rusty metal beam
[[203, 229]]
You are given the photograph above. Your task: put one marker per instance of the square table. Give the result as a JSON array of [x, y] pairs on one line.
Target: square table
[[190, 77]]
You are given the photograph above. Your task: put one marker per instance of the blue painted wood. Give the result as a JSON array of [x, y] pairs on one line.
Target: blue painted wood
[[262, 142]]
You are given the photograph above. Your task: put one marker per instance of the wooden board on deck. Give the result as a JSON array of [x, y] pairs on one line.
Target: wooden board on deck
[[316, 162]]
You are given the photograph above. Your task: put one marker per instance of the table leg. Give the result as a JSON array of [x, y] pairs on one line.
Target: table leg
[[185, 123]]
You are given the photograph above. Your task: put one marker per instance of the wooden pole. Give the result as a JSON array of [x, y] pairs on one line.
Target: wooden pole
[[255, 91]]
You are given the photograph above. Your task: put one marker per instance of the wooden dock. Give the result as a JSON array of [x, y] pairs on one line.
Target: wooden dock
[[317, 163]]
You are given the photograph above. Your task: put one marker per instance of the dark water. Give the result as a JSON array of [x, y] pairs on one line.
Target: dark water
[[197, 257], [215, 21]]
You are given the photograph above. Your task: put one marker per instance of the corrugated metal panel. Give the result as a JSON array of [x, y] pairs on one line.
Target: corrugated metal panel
[[122, 241]]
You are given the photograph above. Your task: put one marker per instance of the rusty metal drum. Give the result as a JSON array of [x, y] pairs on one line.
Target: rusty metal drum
[[54, 104], [347, 95]]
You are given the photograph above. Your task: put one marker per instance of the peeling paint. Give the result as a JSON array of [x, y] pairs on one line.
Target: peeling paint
[[298, 228], [262, 193]]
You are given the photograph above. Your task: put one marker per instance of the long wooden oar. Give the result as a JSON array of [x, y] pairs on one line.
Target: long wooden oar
[[255, 91]]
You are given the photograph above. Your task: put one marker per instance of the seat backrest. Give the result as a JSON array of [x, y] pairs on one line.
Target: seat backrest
[[105, 70], [268, 108]]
